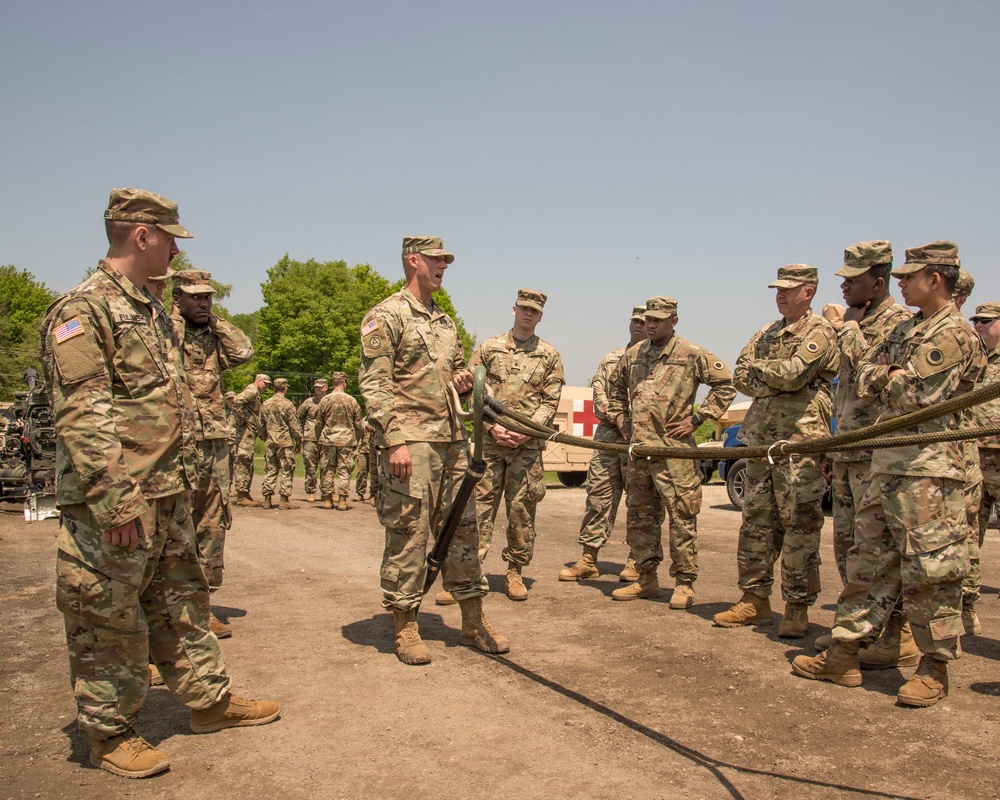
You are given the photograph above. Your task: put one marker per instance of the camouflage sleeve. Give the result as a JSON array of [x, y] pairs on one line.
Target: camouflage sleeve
[[292, 420], [600, 386], [872, 377], [934, 373], [235, 347], [303, 412], [817, 353], [618, 401], [554, 380], [79, 371], [745, 377], [380, 336], [359, 431], [715, 374], [243, 410]]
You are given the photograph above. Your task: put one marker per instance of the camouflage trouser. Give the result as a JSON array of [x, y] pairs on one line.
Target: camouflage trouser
[[659, 488], [782, 515], [518, 477], [279, 469], [911, 538], [243, 462], [850, 479], [310, 458], [606, 479], [412, 511], [335, 465], [210, 507], [124, 609], [367, 465], [978, 500]]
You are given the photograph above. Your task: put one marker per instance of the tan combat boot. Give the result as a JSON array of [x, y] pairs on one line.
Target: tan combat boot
[[221, 629], [586, 567], [970, 621], [286, 503], [929, 685], [128, 754], [370, 501], [359, 498], [646, 588], [233, 712], [410, 648], [628, 573], [311, 497], [155, 678], [794, 621], [683, 596], [244, 500], [444, 599], [750, 610], [838, 665], [327, 501], [342, 503], [267, 502], [895, 648], [516, 590], [476, 629]]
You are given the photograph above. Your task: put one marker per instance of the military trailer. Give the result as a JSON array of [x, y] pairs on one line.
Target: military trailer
[[575, 416]]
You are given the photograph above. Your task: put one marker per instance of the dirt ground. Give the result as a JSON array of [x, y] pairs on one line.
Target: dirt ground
[[596, 699]]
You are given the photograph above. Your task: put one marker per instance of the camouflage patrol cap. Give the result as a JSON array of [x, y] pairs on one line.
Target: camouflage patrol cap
[[165, 276], [639, 313], [964, 285], [987, 311], [660, 307], [193, 281], [280, 383], [427, 245], [861, 257], [531, 299], [230, 395], [338, 378], [938, 253], [320, 383], [260, 376], [793, 275], [138, 205]]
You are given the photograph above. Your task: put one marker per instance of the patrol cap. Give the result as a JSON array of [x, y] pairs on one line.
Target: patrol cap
[[260, 376], [165, 276], [660, 307], [531, 299], [320, 383], [230, 395], [338, 377], [280, 383], [861, 257], [964, 285], [938, 253], [639, 313], [987, 311], [138, 205], [792, 275], [194, 281], [428, 246]]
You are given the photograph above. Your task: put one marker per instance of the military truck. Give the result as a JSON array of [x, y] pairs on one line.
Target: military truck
[[28, 454]]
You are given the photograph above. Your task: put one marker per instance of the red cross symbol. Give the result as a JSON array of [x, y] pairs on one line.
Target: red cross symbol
[[584, 418]]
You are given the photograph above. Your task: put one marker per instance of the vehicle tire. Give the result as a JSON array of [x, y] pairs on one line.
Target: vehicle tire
[[736, 477], [572, 478]]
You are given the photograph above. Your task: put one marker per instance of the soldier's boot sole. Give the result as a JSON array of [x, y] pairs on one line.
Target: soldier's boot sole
[[682, 598], [638, 591], [131, 757], [579, 571], [835, 665], [745, 612]]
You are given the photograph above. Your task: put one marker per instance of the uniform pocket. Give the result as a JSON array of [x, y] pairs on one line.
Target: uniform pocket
[[135, 366]]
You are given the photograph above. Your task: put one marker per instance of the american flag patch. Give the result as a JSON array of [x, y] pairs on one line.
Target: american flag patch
[[68, 330], [366, 329]]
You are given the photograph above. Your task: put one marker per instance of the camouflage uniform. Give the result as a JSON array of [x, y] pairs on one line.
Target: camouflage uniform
[[338, 430], [230, 438], [366, 463], [125, 452], [409, 354], [911, 532], [851, 469], [281, 426], [787, 370], [308, 421], [208, 351], [652, 388], [527, 378], [246, 418]]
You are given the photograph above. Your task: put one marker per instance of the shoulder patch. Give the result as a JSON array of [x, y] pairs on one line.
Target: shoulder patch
[[76, 354], [935, 357], [374, 342], [813, 346]]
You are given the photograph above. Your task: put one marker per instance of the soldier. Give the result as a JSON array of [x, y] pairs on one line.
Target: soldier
[[365, 464], [230, 401], [338, 429], [963, 288], [308, 420], [410, 354], [787, 368], [911, 530], [246, 419], [129, 581], [211, 346], [607, 474], [987, 324], [280, 424], [651, 401]]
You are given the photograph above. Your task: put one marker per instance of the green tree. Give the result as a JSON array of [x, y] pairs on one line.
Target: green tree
[[23, 301]]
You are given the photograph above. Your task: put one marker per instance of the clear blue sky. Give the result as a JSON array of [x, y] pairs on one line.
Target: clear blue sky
[[599, 152]]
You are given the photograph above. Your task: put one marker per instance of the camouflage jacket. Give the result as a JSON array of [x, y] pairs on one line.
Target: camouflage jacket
[[653, 387], [989, 413], [527, 378], [855, 339], [208, 352], [339, 420], [788, 371], [606, 430], [309, 418], [124, 419], [279, 422], [409, 353], [941, 357], [246, 413]]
